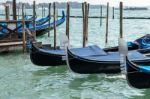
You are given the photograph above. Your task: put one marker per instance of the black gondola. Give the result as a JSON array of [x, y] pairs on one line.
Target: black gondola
[[47, 57], [109, 63], [138, 76]]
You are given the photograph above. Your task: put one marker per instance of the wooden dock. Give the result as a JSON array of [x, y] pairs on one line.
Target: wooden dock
[[14, 40], [11, 46]]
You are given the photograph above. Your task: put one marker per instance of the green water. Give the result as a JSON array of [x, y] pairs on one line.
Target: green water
[[20, 79]]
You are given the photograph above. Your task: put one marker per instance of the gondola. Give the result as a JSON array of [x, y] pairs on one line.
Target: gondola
[[138, 76], [109, 63], [43, 20], [140, 43], [5, 31], [47, 57], [42, 29], [19, 25]]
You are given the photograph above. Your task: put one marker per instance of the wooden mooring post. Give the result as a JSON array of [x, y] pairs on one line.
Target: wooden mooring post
[[87, 21], [68, 20], [7, 12], [113, 13], [49, 11], [83, 14], [18, 12], [107, 21], [14, 10], [24, 36], [85, 11], [34, 18], [121, 20], [101, 14], [42, 11], [54, 13]]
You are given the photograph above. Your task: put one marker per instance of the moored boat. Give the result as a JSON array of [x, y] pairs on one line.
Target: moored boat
[[138, 76], [109, 63]]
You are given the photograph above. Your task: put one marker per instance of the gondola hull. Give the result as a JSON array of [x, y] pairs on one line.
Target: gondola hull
[[86, 66], [41, 58], [139, 80], [135, 77]]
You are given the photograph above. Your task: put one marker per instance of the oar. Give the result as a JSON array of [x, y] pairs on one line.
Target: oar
[[123, 49]]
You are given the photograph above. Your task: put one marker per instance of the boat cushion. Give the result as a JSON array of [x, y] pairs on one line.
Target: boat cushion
[[86, 51], [115, 56]]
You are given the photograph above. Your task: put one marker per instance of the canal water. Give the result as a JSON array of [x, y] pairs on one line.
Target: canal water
[[20, 79]]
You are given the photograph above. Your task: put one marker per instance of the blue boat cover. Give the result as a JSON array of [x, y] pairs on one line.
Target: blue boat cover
[[145, 69], [143, 42], [115, 56], [40, 27], [86, 51]]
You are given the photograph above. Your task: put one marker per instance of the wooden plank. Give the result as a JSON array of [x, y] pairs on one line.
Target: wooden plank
[[14, 21], [13, 44]]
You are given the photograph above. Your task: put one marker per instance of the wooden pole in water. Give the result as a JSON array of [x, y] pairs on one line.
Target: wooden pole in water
[[87, 21], [107, 17], [49, 11], [101, 14], [7, 12], [54, 7], [24, 36], [113, 12], [83, 12], [44, 12], [121, 20], [68, 19], [18, 11], [24, 10], [14, 10], [34, 23]]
